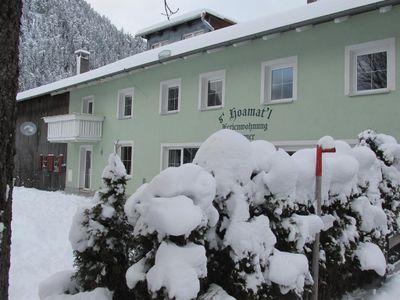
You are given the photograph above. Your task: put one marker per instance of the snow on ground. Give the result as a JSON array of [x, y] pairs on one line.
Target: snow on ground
[[40, 244], [389, 291]]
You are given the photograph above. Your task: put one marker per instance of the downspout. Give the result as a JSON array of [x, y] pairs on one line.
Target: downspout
[[203, 15]]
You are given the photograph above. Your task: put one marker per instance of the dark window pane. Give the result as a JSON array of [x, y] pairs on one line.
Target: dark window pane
[[128, 105], [282, 83], [276, 76], [287, 91], [379, 80], [173, 95], [287, 75], [189, 154], [126, 158], [372, 71], [90, 108], [174, 158], [214, 93], [276, 92], [88, 158]]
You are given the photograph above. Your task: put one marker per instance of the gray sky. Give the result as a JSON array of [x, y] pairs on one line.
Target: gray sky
[[133, 15]]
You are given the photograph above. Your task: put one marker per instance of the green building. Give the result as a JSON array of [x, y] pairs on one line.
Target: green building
[[330, 67]]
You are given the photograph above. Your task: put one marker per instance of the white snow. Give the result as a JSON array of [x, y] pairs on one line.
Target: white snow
[[227, 155], [58, 284], [215, 292], [96, 294], [114, 169], [178, 269], [371, 258], [302, 229], [326, 142], [253, 237], [289, 270], [175, 202], [372, 217], [281, 167], [136, 273], [40, 246], [168, 216], [262, 152]]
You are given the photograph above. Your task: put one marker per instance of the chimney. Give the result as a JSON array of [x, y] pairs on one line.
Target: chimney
[[311, 1], [82, 61]]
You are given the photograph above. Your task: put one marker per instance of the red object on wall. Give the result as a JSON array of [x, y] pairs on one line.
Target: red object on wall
[[50, 163]]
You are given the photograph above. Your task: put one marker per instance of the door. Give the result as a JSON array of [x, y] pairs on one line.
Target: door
[[85, 167]]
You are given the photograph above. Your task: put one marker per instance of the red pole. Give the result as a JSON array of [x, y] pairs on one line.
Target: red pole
[[318, 198]]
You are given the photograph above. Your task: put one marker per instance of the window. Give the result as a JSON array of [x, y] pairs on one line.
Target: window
[[212, 90], [159, 44], [279, 80], [177, 155], [170, 96], [370, 67], [125, 103], [192, 34], [125, 152], [88, 105]]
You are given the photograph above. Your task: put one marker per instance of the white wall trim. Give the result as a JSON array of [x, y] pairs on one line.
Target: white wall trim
[[89, 148], [203, 88], [120, 94], [168, 146], [266, 71], [164, 86], [88, 98], [127, 143], [350, 72], [300, 144]]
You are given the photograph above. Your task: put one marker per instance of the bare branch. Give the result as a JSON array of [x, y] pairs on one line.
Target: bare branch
[[168, 11]]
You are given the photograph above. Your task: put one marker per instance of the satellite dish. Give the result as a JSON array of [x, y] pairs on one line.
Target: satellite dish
[[28, 128]]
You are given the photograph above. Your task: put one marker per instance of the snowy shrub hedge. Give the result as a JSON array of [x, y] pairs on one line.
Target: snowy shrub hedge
[[240, 222]]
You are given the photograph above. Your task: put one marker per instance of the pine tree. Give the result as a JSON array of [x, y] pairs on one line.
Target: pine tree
[[101, 235]]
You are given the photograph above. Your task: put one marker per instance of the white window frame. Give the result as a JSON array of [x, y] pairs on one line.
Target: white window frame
[[173, 146], [266, 79], [121, 103], [350, 75], [164, 87], [159, 44], [126, 144], [86, 148], [192, 34], [85, 102], [204, 78]]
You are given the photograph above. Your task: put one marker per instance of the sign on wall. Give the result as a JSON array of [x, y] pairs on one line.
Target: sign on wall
[[247, 121]]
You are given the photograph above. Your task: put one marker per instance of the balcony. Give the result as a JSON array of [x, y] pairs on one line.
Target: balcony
[[74, 128]]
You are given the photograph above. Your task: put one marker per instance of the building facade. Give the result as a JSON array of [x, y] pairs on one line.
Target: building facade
[[323, 69]]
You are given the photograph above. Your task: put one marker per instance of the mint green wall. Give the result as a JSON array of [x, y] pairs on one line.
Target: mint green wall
[[321, 107]]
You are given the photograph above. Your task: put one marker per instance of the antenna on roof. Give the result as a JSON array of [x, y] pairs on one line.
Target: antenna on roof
[[168, 11]]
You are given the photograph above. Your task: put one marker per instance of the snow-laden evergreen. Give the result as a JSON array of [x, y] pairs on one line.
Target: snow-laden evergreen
[[101, 235], [53, 30]]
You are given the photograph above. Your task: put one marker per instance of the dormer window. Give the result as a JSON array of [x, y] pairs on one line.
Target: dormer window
[[192, 34], [159, 44]]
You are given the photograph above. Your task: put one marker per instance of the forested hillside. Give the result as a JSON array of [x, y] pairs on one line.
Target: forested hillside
[[52, 30]]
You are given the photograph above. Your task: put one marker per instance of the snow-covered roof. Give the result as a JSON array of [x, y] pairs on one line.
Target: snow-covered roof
[[315, 13], [183, 18]]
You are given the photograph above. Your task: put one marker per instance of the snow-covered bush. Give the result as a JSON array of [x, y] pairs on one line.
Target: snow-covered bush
[[240, 221], [100, 235], [170, 216]]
